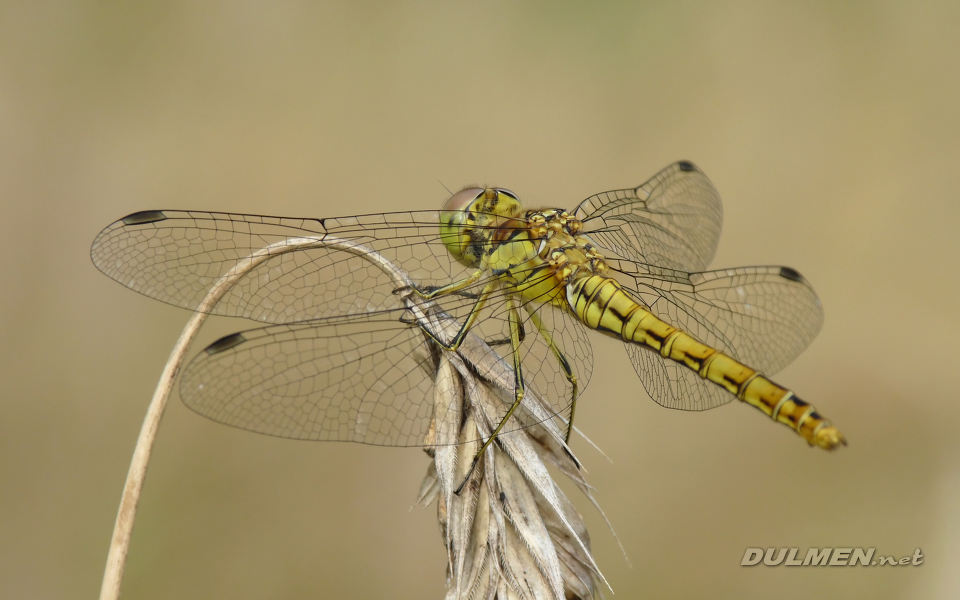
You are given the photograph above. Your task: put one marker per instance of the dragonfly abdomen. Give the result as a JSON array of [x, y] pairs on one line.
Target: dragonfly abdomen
[[601, 304]]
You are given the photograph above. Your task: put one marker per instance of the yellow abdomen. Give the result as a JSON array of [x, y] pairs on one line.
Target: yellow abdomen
[[601, 304]]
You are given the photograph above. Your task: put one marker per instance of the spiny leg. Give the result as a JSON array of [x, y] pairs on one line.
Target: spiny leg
[[515, 327], [455, 289], [435, 292], [422, 292], [467, 324], [564, 364]]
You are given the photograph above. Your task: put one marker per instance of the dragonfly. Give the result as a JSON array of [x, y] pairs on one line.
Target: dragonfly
[[341, 358]]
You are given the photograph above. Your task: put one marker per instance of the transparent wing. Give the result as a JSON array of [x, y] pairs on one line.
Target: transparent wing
[[671, 221], [542, 369], [177, 256], [673, 386], [762, 316], [366, 379]]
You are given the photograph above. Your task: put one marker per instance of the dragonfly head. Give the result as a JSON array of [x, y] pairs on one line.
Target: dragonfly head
[[469, 217]]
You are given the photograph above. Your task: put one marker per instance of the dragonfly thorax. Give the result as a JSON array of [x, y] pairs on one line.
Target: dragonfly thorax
[[541, 254], [563, 246]]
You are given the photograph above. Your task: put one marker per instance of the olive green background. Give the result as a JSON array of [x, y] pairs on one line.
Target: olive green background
[[832, 131]]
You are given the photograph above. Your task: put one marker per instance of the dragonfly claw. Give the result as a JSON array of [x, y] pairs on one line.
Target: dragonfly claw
[[423, 292], [406, 289]]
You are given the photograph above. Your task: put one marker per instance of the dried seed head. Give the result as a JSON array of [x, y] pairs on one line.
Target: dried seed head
[[511, 532]]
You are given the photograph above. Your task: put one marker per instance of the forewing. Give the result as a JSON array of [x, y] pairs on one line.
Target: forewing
[[672, 221], [762, 316], [177, 256]]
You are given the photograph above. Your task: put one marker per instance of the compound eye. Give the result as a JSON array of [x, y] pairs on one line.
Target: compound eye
[[508, 193], [463, 199]]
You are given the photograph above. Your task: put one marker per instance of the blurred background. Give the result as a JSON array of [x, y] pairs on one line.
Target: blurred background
[[831, 130]]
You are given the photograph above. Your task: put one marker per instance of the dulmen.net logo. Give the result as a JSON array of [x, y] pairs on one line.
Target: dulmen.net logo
[[825, 557]]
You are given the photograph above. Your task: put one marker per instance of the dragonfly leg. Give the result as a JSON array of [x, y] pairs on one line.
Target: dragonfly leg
[[464, 294], [429, 293], [515, 328], [564, 364], [468, 323], [429, 289]]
